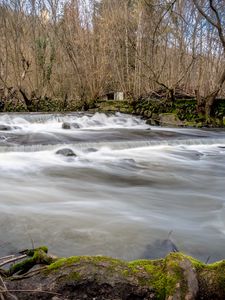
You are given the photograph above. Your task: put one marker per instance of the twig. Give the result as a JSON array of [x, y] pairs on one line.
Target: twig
[[5, 288], [207, 260], [28, 274], [12, 260], [3, 283], [7, 257]]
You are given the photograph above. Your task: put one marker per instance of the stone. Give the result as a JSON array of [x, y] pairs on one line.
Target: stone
[[176, 277], [145, 114], [5, 127], [90, 150], [66, 152], [149, 114], [152, 122], [75, 125], [159, 249], [66, 125], [170, 119]]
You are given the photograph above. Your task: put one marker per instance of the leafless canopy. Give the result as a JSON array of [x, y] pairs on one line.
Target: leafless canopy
[[80, 49]]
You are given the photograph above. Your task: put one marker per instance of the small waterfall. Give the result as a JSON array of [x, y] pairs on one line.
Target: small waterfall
[[115, 145], [83, 120]]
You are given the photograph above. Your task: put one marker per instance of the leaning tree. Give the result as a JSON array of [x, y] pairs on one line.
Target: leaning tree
[[213, 13]]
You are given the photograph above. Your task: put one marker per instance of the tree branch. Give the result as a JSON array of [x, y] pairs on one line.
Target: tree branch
[[217, 24]]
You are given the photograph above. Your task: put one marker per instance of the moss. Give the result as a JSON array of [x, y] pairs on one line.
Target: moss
[[217, 272], [22, 267], [115, 106], [36, 256], [149, 273], [166, 277], [161, 275], [111, 262], [175, 275], [73, 276], [190, 124], [158, 278], [31, 252]]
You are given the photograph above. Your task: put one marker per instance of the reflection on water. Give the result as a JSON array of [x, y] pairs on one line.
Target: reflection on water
[[126, 189]]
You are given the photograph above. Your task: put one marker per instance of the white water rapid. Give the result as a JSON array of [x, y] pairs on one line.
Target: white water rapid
[[128, 186]]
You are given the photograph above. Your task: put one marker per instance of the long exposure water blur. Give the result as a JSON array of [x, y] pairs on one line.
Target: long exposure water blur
[[128, 187]]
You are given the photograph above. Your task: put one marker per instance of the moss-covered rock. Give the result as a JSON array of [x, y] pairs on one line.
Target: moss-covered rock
[[85, 277], [170, 119], [114, 106]]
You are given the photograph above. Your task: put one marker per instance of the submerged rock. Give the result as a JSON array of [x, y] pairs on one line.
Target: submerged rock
[[66, 125], [66, 152], [75, 125], [8, 127], [5, 127], [90, 150], [159, 249]]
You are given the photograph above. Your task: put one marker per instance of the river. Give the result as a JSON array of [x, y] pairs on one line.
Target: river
[[129, 187]]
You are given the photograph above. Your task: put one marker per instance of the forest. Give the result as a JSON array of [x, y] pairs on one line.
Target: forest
[[77, 50], [112, 149]]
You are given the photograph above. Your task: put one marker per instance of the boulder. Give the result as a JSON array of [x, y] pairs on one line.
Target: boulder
[[39, 275], [159, 249], [90, 150], [176, 277], [5, 128], [66, 125], [152, 122], [75, 125], [8, 127], [170, 119], [66, 152]]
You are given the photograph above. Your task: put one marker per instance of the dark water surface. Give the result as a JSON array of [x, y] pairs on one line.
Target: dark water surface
[[125, 191]]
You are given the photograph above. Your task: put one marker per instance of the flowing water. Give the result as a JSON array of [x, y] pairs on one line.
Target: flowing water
[[127, 188]]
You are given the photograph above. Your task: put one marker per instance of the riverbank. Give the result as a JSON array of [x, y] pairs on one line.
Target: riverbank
[[181, 113], [177, 276]]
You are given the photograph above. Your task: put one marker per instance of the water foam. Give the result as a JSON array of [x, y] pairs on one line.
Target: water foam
[[84, 121]]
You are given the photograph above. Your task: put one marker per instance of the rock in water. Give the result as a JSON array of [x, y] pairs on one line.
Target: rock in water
[[66, 152], [66, 125], [75, 125], [159, 249], [8, 127], [90, 150], [5, 127]]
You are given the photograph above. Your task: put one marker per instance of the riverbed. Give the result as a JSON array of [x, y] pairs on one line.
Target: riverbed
[[129, 188]]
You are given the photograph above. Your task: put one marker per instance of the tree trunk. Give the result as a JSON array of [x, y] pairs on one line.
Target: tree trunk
[[27, 101], [210, 104]]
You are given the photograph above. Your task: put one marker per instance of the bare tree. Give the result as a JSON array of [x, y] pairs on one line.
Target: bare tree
[[76, 50], [213, 12]]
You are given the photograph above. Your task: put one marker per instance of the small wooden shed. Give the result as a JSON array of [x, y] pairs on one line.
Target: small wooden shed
[[117, 96]]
